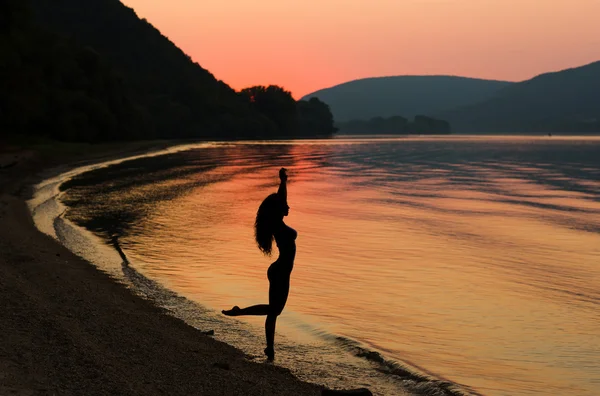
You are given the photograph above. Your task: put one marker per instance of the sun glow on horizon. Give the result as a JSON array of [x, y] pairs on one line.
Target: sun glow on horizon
[[308, 45]]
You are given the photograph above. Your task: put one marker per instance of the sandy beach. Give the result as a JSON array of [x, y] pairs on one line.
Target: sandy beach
[[69, 329]]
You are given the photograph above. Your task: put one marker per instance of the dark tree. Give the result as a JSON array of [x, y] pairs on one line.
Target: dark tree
[[427, 125], [276, 104], [314, 118]]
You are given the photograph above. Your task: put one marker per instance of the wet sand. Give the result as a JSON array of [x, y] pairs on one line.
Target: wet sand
[[67, 328]]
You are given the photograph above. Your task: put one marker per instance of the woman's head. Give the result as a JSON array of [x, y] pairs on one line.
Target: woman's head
[[270, 213]]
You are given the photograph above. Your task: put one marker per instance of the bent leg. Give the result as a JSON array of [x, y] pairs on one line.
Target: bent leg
[[256, 310]]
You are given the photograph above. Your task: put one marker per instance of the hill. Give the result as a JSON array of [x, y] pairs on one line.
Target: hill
[[180, 96], [93, 71], [407, 96], [564, 101]]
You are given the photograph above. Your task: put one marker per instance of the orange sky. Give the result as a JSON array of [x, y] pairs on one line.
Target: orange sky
[[305, 45]]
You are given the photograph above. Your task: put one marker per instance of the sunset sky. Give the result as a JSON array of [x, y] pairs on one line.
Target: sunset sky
[[305, 45]]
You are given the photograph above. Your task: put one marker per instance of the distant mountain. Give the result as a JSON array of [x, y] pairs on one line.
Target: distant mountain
[[406, 96], [564, 101]]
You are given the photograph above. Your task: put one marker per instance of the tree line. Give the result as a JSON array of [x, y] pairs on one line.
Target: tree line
[[421, 125]]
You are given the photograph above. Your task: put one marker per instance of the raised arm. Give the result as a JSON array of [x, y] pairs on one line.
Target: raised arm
[[282, 192]]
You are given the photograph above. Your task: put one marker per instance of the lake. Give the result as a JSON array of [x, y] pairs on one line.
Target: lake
[[437, 264]]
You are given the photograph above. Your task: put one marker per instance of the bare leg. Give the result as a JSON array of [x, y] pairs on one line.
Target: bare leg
[[256, 310], [270, 334], [279, 287], [278, 294]]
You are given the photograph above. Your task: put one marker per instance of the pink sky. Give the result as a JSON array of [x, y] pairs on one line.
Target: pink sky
[[305, 45]]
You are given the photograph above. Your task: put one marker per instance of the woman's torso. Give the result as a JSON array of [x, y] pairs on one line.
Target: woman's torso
[[285, 237]]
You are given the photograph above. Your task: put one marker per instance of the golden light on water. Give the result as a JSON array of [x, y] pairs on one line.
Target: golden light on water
[[484, 272]]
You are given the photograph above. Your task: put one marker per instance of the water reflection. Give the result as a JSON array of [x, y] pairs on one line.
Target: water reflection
[[475, 260]]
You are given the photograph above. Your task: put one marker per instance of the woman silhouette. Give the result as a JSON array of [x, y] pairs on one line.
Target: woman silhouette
[[269, 225]]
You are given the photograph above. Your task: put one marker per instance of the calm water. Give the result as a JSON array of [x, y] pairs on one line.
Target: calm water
[[421, 263]]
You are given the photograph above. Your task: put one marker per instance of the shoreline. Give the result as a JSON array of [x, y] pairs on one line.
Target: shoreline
[[69, 328]]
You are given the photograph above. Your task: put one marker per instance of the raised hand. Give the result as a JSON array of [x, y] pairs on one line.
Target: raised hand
[[283, 174]]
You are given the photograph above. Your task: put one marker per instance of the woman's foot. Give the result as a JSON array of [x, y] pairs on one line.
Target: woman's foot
[[270, 352], [235, 311]]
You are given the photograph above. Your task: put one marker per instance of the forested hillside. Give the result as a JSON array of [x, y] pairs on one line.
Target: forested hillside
[[93, 71]]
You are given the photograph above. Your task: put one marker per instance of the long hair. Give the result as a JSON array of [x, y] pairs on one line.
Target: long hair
[[268, 215]]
